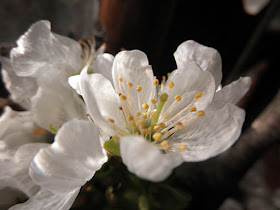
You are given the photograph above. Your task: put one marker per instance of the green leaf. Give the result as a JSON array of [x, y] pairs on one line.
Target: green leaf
[[112, 147]]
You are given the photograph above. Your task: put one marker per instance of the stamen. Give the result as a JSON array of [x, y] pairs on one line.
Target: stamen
[[200, 113], [156, 127], [145, 106], [130, 118], [193, 109], [164, 144], [170, 84], [111, 120], [145, 116], [157, 136], [129, 84], [138, 88], [180, 125], [154, 101], [177, 98], [120, 80], [165, 116], [153, 113], [198, 95], [156, 82], [139, 122], [123, 97], [163, 79], [138, 114], [162, 125], [133, 124], [182, 147], [167, 133]]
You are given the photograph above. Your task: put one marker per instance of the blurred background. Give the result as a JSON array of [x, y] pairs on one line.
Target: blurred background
[[248, 41]]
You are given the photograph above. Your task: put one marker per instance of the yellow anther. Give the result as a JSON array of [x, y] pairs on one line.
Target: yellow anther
[[145, 116], [164, 144], [130, 118], [139, 122], [147, 130], [156, 82], [193, 109], [153, 114], [119, 94], [111, 120], [177, 98], [129, 84], [157, 136], [154, 101], [123, 97], [137, 133], [150, 129], [167, 133], [133, 124], [87, 114], [170, 84], [163, 77], [162, 125], [120, 108], [138, 114], [145, 106], [116, 138], [138, 88], [156, 127], [142, 126], [180, 125], [182, 147], [165, 116], [198, 95], [120, 79], [200, 113]]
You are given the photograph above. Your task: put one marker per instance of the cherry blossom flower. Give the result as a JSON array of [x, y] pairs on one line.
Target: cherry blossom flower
[[36, 76], [160, 125]]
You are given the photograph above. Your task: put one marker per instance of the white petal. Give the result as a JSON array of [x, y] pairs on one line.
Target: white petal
[[233, 92], [21, 88], [71, 160], [74, 82], [133, 66], [40, 51], [253, 7], [211, 134], [46, 200], [57, 106], [207, 58], [103, 65], [101, 100], [18, 128], [187, 82], [14, 172], [146, 160]]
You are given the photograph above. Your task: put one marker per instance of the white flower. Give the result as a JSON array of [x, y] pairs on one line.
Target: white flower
[[37, 77], [161, 126], [37, 74]]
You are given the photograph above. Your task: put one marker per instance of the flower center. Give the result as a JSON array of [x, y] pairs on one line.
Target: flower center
[[149, 121]]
